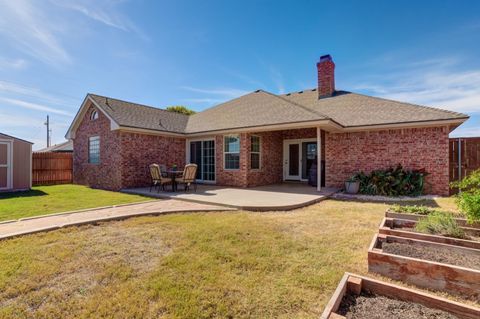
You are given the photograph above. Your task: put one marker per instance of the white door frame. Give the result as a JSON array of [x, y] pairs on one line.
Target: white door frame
[[286, 154], [187, 155], [9, 164]]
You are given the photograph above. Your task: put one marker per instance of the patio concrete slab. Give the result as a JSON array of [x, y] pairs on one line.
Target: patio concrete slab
[[284, 196], [55, 221]]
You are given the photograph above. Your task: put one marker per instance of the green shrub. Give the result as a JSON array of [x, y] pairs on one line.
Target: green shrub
[[468, 199], [392, 182], [440, 223]]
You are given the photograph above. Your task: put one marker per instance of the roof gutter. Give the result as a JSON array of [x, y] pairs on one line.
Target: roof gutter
[[132, 129], [412, 124], [327, 125]]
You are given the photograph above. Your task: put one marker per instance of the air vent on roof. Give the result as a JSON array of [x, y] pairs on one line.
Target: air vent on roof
[[257, 91], [288, 94], [300, 92], [314, 90]]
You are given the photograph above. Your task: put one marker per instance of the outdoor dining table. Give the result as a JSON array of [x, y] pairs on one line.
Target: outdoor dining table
[[173, 173]]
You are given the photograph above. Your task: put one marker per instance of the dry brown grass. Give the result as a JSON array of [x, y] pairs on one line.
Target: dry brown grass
[[242, 265]]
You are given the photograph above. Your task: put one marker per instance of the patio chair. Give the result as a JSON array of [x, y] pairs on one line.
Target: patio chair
[[163, 170], [157, 179], [188, 177]]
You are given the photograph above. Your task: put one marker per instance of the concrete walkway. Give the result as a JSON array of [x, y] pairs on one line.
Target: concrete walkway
[[55, 221]]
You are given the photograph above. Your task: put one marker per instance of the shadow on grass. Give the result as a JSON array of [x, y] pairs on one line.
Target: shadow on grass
[[30, 193]]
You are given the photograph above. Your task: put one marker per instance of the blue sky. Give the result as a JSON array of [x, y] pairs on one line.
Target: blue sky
[[200, 53]]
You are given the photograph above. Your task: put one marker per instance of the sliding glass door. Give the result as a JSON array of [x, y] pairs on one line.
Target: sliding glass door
[[202, 153]]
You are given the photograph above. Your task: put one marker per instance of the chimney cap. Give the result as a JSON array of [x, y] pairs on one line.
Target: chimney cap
[[325, 58]]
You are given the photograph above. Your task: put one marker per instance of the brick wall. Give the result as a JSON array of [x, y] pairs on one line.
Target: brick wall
[[299, 133], [228, 177], [326, 76], [141, 150], [106, 174], [271, 163], [124, 157], [271, 171], [417, 148]]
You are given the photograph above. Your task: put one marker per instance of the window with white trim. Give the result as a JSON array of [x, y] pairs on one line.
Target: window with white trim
[[94, 115], [231, 151], [94, 149], [255, 152]]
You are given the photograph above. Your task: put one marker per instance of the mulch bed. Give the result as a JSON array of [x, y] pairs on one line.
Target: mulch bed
[[379, 307], [468, 236], [440, 254]]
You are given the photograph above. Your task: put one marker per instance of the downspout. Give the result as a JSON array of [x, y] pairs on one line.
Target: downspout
[[459, 162], [319, 159]]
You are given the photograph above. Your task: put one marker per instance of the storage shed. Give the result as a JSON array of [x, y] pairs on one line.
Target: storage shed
[[15, 163]]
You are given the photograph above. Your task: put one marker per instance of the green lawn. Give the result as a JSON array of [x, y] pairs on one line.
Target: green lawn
[[59, 198], [200, 265]]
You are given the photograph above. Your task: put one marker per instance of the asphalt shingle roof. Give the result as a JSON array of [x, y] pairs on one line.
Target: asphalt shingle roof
[[262, 108], [253, 109], [62, 147], [352, 109], [142, 116]]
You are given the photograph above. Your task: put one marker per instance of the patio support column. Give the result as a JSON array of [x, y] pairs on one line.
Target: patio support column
[[319, 159]]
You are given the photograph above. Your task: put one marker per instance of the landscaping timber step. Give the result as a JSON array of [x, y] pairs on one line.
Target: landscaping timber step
[[458, 280], [405, 228], [353, 286], [461, 221]]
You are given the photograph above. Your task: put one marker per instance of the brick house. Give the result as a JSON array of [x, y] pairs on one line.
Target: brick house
[[263, 138]]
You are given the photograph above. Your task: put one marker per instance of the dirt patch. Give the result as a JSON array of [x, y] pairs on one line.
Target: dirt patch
[[469, 235], [378, 307], [438, 254], [103, 255], [475, 237]]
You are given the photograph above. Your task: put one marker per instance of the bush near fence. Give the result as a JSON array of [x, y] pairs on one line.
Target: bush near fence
[[465, 163], [51, 168]]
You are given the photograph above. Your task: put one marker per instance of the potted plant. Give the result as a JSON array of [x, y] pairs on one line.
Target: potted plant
[[352, 185]]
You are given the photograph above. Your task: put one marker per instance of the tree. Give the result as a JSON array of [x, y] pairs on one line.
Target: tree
[[469, 197], [180, 109]]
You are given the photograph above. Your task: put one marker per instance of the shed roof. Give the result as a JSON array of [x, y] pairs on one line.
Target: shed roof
[[13, 137]]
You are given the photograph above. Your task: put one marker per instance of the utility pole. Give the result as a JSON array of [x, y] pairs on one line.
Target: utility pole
[[47, 123]]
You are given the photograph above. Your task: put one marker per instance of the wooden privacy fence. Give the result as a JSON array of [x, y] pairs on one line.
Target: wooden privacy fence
[[464, 157], [52, 168]]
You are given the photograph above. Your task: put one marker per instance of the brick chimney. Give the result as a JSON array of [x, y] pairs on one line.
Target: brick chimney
[[326, 76]]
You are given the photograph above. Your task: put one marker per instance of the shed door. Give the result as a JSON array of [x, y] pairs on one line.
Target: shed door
[[5, 165]]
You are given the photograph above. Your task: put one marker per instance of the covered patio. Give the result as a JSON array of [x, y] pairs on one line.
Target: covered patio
[[284, 196]]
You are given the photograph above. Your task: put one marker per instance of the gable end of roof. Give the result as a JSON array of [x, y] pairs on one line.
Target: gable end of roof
[[81, 114]]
